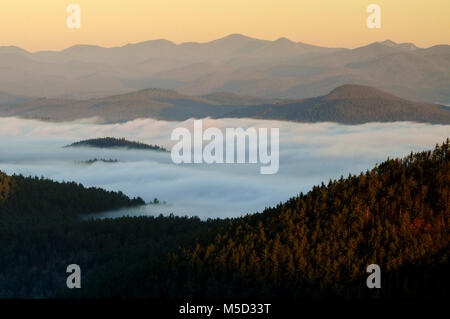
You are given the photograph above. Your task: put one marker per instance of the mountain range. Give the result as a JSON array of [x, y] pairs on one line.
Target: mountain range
[[280, 69], [347, 104]]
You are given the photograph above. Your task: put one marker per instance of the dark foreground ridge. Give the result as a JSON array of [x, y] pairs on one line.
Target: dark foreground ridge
[[112, 142], [315, 245]]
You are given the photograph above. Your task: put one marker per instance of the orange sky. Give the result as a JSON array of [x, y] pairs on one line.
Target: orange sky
[[41, 24]]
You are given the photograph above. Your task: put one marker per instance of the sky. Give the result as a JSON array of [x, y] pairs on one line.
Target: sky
[[41, 24], [310, 153]]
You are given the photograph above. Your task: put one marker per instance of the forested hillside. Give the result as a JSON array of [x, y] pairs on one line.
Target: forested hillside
[[112, 142], [26, 199], [315, 245], [396, 215]]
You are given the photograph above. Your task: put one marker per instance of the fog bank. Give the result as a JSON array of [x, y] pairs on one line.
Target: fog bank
[[309, 154]]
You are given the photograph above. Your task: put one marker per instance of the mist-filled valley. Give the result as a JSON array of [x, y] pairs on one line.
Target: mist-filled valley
[[309, 154], [214, 159]]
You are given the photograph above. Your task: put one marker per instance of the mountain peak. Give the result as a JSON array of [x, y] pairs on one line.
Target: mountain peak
[[158, 93], [283, 40], [156, 42], [403, 46], [235, 38], [389, 43], [354, 91], [12, 49]]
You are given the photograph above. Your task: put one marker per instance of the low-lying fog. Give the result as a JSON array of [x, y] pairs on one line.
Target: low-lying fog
[[309, 154]]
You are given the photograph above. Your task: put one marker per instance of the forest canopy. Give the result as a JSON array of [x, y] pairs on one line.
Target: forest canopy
[[315, 245], [112, 142]]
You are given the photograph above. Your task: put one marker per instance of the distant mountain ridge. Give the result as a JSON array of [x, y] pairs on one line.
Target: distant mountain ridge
[[347, 104], [236, 63], [350, 104], [10, 99]]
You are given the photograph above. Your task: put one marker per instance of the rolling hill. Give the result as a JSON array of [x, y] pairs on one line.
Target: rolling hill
[[347, 104], [111, 142], [350, 104], [149, 103]]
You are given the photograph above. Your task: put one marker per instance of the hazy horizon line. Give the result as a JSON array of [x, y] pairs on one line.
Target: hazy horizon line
[[241, 35]]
